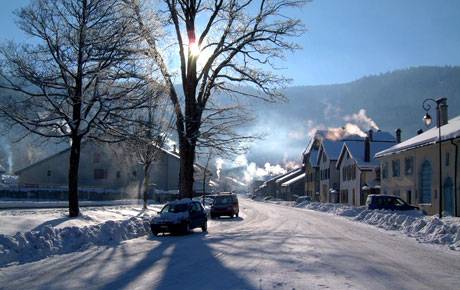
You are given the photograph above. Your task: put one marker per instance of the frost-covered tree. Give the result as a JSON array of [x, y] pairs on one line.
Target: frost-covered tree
[[76, 77], [149, 132], [218, 47]]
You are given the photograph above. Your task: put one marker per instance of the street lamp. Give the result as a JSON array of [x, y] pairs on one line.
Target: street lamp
[[427, 119]]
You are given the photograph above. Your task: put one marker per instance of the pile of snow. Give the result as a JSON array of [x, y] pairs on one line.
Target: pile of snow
[[35, 245], [426, 229]]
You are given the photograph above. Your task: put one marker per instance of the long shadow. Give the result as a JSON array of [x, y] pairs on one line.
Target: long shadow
[[187, 262], [202, 270], [52, 223], [153, 256]]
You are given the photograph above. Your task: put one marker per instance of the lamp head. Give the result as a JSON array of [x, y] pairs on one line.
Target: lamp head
[[427, 119]]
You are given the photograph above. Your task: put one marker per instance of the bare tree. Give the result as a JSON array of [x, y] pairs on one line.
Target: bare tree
[[218, 46], [148, 135], [76, 79]]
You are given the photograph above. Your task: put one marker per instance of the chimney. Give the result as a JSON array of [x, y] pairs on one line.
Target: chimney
[[367, 150], [442, 103], [369, 134], [398, 135], [419, 131]]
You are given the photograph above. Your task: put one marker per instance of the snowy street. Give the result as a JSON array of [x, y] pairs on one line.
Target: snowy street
[[268, 247]]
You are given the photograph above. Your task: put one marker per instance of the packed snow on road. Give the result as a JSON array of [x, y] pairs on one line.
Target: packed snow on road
[[276, 245]]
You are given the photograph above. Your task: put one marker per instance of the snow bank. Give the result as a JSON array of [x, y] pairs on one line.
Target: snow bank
[[35, 245], [426, 229]]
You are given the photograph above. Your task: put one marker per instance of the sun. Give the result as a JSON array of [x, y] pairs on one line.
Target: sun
[[194, 49]]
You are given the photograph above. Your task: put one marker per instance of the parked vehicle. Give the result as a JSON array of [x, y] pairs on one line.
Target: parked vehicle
[[268, 198], [225, 204], [301, 199], [390, 202], [180, 216]]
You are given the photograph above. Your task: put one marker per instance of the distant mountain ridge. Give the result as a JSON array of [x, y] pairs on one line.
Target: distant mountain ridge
[[392, 100]]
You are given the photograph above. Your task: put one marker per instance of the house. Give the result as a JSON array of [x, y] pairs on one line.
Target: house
[[411, 169], [105, 166], [310, 166], [286, 193], [328, 155], [359, 170], [311, 175], [293, 187]]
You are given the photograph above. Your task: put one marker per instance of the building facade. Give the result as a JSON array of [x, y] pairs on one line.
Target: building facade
[[412, 169]]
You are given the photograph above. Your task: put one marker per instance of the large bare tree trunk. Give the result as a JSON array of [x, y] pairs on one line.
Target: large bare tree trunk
[[186, 180], [73, 177]]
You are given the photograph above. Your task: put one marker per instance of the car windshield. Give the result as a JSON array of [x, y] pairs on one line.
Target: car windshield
[[177, 207], [223, 200]]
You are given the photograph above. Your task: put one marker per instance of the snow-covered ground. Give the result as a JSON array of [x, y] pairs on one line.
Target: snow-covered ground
[[426, 229], [269, 246]]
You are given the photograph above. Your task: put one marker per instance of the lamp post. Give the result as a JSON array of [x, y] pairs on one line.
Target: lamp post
[[427, 119]]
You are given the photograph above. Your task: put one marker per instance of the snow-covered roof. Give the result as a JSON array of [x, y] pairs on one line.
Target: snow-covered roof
[[449, 131], [294, 180], [290, 174], [313, 158], [319, 135], [379, 136], [357, 149], [331, 148]]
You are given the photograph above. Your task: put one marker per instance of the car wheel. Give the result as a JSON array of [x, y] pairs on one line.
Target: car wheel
[[155, 233], [187, 228], [204, 228]]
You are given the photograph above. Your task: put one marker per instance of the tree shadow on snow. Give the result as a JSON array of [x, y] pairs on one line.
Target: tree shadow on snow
[[180, 262], [52, 223]]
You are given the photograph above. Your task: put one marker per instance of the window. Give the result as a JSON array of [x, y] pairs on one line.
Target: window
[[395, 168], [118, 174], [396, 193], [134, 173], [100, 173], [447, 161], [48, 173], [96, 157], [353, 172], [343, 173], [384, 170], [409, 165], [425, 186]]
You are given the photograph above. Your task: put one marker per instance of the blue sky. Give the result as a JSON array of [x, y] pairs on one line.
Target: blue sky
[[350, 39]]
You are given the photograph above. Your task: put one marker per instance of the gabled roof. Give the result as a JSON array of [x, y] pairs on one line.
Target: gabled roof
[[319, 135], [331, 149], [313, 158], [357, 149], [449, 131], [294, 180], [289, 175]]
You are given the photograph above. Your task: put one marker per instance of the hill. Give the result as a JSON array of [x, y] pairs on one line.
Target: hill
[[391, 100]]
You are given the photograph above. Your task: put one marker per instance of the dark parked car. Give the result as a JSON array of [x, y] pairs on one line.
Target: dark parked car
[[225, 204], [301, 199], [180, 216], [391, 202]]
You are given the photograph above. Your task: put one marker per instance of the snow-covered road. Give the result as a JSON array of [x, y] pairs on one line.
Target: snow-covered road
[[267, 247]]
